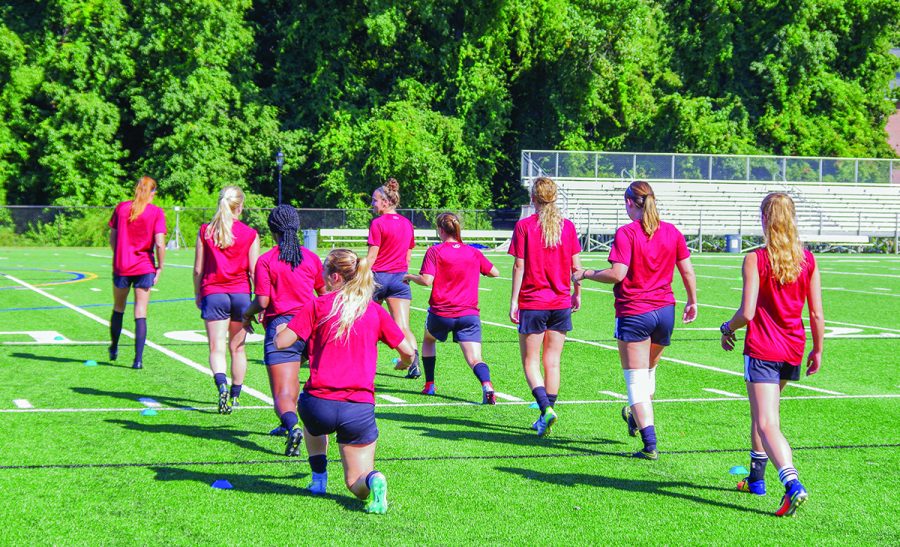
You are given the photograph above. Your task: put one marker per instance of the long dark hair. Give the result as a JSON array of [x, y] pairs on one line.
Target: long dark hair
[[284, 221]]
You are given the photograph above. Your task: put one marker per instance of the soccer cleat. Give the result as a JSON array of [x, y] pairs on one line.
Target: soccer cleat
[[414, 371], [279, 431], [753, 487], [113, 353], [633, 428], [318, 484], [488, 398], [235, 402], [429, 389], [294, 438], [793, 498], [645, 454], [137, 365], [534, 426], [377, 500], [544, 425], [224, 407]]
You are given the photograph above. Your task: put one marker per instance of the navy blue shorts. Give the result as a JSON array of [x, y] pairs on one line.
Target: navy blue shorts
[[657, 325], [391, 285], [758, 371], [275, 356], [353, 422], [144, 281], [222, 306], [538, 321], [465, 329]]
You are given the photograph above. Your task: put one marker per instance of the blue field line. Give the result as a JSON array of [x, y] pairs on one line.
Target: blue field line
[[93, 305]]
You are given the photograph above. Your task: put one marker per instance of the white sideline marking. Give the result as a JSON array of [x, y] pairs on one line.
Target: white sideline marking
[[95, 289], [858, 292], [56, 343], [835, 272], [166, 351], [506, 397], [22, 403], [725, 393], [150, 403], [390, 398], [478, 403], [614, 395], [880, 289], [39, 336], [669, 359]]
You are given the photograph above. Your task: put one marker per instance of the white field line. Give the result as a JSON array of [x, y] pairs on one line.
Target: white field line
[[615, 395], [150, 403], [451, 404], [725, 393], [863, 274], [55, 343], [880, 289], [860, 292], [95, 289], [507, 397], [165, 351], [391, 398], [22, 403], [669, 359]]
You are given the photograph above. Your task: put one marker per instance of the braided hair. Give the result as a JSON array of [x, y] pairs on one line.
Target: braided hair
[[284, 221]]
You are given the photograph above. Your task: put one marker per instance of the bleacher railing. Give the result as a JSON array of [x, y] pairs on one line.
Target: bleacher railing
[[612, 166]]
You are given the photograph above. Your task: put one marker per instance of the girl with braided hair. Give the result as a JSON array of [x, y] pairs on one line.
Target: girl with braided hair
[[285, 279], [226, 254]]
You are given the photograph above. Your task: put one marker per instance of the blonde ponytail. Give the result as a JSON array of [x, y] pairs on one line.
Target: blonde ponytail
[[143, 193], [355, 295], [543, 194], [783, 244], [641, 194], [231, 201]]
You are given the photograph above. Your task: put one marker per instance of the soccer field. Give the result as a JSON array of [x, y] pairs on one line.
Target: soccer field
[[80, 463]]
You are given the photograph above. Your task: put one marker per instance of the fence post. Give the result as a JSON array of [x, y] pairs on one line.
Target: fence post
[[596, 165], [673, 168], [820, 169], [748, 169], [896, 233], [556, 167], [700, 234], [634, 167], [709, 177], [856, 171]]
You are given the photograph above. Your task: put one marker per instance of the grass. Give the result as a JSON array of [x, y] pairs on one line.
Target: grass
[[458, 473]]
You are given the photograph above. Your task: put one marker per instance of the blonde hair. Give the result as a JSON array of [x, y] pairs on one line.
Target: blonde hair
[[641, 194], [449, 223], [143, 193], [390, 191], [231, 199], [543, 194], [355, 295], [783, 243]]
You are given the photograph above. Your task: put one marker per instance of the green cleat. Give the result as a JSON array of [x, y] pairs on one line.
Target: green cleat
[[645, 454], [377, 501], [544, 425]]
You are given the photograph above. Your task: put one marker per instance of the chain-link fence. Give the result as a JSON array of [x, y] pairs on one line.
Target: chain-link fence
[[87, 226]]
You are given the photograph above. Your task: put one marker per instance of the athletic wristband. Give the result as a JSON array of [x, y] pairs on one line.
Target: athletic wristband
[[725, 329]]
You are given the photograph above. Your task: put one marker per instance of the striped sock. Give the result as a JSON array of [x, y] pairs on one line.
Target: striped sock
[[787, 474], [758, 461]]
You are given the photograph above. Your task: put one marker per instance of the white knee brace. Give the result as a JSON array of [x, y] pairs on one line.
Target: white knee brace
[[652, 374], [638, 383]]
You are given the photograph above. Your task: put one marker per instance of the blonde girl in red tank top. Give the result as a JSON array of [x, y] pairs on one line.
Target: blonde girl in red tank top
[[778, 280]]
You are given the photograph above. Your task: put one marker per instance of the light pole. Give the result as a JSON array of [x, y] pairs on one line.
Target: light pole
[[279, 161]]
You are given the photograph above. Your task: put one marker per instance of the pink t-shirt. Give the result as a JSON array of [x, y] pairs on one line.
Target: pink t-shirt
[[546, 284], [227, 270], [456, 268], [394, 236], [777, 332], [651, 262], [134, 240], [288, 290], [343, 369]]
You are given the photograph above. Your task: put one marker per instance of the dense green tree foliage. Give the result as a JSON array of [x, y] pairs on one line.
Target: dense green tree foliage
[[441, 94]]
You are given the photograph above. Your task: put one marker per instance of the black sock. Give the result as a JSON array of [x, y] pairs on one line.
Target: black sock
[[552, 398], [319, 464], [236, 390], [369, 478], [540, 395], [758, 461], [220, 380], [140, 338], [289, 420], [428, 363], [648, 435], [482, 372], [115, 328]]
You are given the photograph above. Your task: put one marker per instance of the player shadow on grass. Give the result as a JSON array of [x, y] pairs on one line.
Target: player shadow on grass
[[52, 359], [416, 387], [662, 488], [256, 484], [178, 402], [214, 433], [482, 431]]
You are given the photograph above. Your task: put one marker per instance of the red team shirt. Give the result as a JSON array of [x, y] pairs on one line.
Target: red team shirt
[[288, 290], [134, 240], [548, 272], [455, 290], [777, 332], [343, 369], [394, 236], [227, 270], [651, 262]]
